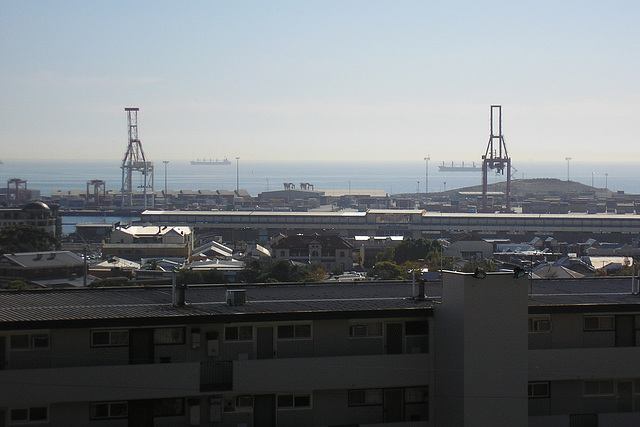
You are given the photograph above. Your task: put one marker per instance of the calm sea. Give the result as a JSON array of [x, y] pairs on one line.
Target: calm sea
[[257, 177]]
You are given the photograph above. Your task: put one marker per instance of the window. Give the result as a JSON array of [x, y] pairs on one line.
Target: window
[[416, 395], [598, 388], [599, 323], [538, 389], [370, 397], [110, 338], [168, 407], [294, 401], [238, 333], [541, 324], [104, 410], [417, 328], [294, 331], [29, 415], [168, 336], [39, 341], [366, 330]]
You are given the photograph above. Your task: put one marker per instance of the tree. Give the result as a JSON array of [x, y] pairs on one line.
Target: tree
[[16, 285], [187, 277], [26, 238], [387, 270], [485, 264]]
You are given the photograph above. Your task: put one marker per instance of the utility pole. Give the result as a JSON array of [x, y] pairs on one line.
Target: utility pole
[[165, 182], [426, 174]]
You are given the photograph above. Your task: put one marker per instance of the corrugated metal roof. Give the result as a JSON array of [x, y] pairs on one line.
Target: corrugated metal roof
[[132, 303]]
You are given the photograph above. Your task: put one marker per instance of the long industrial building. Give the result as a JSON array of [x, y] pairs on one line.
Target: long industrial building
[[259, 225]]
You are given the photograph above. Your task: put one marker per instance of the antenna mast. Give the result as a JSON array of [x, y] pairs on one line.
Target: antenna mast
[[135, 160], [496, 157]]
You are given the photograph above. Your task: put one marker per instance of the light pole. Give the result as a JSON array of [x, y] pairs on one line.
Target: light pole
[[237, 174], [165, 182], [568, 159], [592, 176], [426, 175], [606, 179]]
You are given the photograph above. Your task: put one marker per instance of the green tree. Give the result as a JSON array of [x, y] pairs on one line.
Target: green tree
[[387, 270], [252, 272], [415, 249], [188, 277], [16, 285], [26, 238], [387, 254], [485, 264]]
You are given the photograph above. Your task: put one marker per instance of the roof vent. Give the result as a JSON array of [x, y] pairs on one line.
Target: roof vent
[[236, 296]]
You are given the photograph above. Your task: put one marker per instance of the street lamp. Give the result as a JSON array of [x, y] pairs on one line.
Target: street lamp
[[165, 182], [606, 179], [426, 174], [237, 174], [568, 159]]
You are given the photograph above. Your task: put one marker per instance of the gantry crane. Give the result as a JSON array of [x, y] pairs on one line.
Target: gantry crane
[[496, 157], [135, 160]]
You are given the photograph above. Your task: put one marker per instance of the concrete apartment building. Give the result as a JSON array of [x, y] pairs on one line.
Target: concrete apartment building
[[480, 350]]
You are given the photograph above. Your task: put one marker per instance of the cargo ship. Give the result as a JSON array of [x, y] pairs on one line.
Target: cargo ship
[[210, 162], [459, 167]]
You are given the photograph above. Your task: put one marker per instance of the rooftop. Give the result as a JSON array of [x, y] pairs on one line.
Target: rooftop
[[110, 307]]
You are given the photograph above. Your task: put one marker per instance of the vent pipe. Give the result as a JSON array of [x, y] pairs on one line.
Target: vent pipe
[[178, 292]]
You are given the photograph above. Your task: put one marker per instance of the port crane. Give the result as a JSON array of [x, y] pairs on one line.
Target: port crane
[[496, 157], [135, 161]]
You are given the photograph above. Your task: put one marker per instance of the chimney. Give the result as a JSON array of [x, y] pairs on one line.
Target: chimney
[[178, 293], [236, 297]]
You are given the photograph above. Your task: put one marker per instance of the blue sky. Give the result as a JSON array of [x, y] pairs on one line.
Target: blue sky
[[320, 80]]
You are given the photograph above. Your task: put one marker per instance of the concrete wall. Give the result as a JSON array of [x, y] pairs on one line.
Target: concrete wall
[[484, 355]]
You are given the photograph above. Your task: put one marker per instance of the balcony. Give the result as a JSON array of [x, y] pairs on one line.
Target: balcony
[[101, 383], [313, 373], [583, 363]]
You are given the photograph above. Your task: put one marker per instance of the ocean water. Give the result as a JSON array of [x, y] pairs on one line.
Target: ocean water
[[257, 176]]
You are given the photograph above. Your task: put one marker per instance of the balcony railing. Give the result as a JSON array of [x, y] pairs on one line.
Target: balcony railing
[[216, 376]]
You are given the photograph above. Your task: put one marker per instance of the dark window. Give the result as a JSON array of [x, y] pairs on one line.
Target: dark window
[[417, 328]]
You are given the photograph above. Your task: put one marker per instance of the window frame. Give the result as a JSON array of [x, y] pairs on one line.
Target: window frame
[[298, 332], [376, 397], [31, 337], [175, 335], [535, 322], [112, 342], [239, 338], [531, 389], [29, 410], [368, 330], [294, 397], [600, 326], [109, 406], [599, 384]]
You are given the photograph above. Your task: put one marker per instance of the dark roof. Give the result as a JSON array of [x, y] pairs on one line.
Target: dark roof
[[133, 306], [583, 295], [44, 259]]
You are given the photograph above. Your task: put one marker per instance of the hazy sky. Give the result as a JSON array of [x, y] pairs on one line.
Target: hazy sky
[[320, 80]]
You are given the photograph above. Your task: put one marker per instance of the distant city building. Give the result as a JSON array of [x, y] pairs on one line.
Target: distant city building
[[332, 252], [38, 214], [40, 267], [135, 242]]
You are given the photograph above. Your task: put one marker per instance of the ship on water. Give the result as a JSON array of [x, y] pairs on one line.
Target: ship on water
[[210, 162], [453, 167]]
